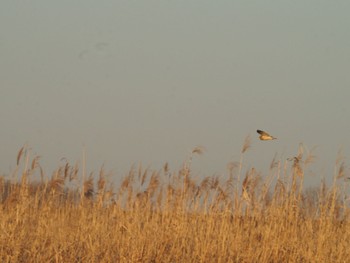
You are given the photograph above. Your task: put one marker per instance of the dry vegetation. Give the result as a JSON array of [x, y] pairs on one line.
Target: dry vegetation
[[166, 216]]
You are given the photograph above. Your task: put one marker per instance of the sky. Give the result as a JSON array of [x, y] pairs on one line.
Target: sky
[[130, 82]]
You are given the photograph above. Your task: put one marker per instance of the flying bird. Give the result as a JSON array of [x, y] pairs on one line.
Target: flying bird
[[264, 136]]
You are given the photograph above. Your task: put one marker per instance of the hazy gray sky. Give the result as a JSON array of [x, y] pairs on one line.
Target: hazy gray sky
[[146, 81]]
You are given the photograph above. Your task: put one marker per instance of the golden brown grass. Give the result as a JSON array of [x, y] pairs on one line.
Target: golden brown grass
[[165, 216]]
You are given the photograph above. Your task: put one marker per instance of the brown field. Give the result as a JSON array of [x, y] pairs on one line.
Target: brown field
[[168, 216]]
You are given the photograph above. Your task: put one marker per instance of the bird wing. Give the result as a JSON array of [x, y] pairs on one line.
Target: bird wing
[[262, 133]]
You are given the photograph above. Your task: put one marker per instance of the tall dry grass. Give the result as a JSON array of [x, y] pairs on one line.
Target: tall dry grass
[[167, 216]]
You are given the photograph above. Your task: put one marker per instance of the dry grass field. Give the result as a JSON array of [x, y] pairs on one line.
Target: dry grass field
[[168, 216]]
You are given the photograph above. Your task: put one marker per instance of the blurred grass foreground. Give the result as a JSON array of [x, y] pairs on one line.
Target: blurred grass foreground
[[168, 216]]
